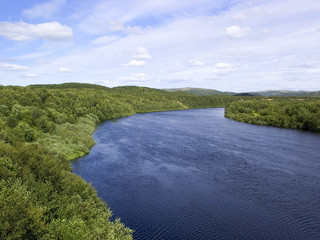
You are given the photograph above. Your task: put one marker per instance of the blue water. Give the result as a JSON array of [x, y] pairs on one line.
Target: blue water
[[194, 174]]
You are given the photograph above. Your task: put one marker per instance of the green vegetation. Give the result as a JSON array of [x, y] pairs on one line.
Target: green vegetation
[[199, 91], [298, 113], [279, 93], [44, 126], [274, 93]]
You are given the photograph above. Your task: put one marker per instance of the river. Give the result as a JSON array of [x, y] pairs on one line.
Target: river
[[194, 174]]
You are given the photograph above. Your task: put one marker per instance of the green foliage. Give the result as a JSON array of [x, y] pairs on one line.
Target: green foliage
[[280, 93], [20, 217], [69, 85], [299, 113], [8, 169], [199, 91], [44, 126]]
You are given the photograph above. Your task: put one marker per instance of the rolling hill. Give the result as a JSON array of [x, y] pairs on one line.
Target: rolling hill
[[268, 93]]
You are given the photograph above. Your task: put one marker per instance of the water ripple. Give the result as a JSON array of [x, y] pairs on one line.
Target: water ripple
[[196, 175]]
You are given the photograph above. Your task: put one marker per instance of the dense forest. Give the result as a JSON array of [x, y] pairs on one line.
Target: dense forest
[[44, 126], [269, 93], [298, 113]]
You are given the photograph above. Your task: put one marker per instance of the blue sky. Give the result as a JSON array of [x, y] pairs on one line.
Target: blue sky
[[236, 45]]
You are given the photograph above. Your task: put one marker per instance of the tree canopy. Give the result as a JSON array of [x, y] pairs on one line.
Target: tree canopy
[[298, 113], [44, 126]]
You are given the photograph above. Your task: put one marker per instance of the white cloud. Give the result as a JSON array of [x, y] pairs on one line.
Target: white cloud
[[135, 77], [225, 66], [139, 75], [134, 30], [249, 13], [114, 26], [136, 63], [266, 31], [13, 67], [239, 16], [21, 31], [30, 75], [283, 35], [313, 70], [65, 70], [104, 40], [34, 55], [195, 62], [111, 16], [237, 32], [44, 10], [142, 53]]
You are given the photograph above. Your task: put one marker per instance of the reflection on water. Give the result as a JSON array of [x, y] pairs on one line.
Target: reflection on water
[[194, 174]]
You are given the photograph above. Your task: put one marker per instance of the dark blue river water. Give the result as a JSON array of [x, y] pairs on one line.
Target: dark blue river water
[[194, 174]]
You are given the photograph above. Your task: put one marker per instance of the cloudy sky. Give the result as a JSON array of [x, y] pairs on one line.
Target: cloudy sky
[[228, 45]]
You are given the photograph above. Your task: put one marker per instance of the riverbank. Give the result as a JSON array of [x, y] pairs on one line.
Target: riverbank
[[42, 127], [194, 174], [295, 113]]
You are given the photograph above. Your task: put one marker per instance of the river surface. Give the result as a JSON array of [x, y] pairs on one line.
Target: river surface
[[194, 174]]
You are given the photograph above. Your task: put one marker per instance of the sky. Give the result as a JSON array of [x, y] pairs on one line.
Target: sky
[[227, 45]]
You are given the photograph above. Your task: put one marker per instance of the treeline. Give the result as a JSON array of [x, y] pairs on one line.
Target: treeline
[[44, 126], [297, 113], [41, 128]]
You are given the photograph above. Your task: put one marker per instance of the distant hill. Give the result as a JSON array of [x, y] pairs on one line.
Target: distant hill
[[284, 93], [138, 90], [246, 94], [69, 85], [199, 91], [187, 90], [271, 93], [132, 90]]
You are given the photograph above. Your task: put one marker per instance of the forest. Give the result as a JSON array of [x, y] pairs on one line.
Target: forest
[[44, 126], [287, 112]]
